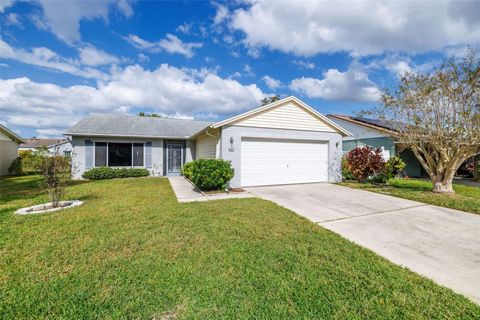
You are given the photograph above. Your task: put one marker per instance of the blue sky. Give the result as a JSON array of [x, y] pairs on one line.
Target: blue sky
[[62, 60]]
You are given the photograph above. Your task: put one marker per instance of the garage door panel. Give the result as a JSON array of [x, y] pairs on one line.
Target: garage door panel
[[274, 161]]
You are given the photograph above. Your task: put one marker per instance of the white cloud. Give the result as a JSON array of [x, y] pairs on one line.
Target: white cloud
[[221, 14], [304, 64], [400, 64], [171, 44], [457, 51], [166, 90], [4, 4], [185, 28], [248, 71], [352, 85], [13, 19], [92, 56], [399, 67], [271, 82], [45, 133], [63, 17], [125, 7], [307, 28], [44, 57], [143, 58]]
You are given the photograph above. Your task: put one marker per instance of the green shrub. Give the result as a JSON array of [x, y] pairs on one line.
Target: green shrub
[[187, 170], [380, 177], [101, 173], [346, 174], [212, 174], [27, 162], [394, 166]]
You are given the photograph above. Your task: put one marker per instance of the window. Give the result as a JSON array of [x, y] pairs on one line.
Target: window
[[67, 153], [138, 154], [119, 154], [100, 154]]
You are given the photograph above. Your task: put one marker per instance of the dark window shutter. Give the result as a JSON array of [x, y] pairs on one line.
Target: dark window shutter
[[148, 154], [88, 154]]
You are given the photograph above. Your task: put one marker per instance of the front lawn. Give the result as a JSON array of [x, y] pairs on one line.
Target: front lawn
[[131, 251], [466, 198]]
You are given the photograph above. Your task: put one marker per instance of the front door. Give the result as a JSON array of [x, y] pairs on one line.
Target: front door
[[174, 158]]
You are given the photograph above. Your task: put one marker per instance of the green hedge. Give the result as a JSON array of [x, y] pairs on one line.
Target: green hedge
[[187, 170], [27, 162], [209, 174], [101, 173]]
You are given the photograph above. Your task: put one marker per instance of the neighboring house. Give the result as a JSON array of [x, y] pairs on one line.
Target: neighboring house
[[61, 147], [377, 134], [280, 143], [9, 142]]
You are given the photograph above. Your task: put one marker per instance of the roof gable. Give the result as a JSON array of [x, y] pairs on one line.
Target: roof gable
[[38, 143], [288, 113], [9, 133]]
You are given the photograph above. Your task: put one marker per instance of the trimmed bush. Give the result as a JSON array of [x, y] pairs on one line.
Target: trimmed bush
[[211, 174], [187, 170], [364, 162], [101, 173]]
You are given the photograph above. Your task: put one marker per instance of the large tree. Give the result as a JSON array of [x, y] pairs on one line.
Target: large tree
[[437, 116]]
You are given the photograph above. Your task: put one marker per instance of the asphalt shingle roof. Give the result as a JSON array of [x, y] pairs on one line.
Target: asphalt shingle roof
[[373, 122], [126, 126], [37, 143]]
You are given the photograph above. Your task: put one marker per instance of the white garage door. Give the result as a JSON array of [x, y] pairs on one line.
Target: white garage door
[[275, 161]]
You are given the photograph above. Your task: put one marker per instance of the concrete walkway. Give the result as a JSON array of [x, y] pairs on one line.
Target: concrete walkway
[[186, 192], [439, 243]]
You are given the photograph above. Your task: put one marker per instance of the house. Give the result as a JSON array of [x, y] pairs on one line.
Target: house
[[54, 146], [377, 134], [280, 143], [9, 142]]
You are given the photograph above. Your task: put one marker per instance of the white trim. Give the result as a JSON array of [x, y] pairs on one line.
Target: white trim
[[106, 135], [12, 135], [277, 103]]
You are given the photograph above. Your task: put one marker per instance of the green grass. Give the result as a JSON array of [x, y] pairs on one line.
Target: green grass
[[131, 251], [466, 198]]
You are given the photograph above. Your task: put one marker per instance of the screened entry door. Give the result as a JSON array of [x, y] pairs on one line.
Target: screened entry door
[[174, 158]]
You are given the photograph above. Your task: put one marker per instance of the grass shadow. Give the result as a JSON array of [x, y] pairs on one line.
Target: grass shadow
[[24, 187]]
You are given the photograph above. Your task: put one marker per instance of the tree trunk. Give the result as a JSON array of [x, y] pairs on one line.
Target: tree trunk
[[443, 185]]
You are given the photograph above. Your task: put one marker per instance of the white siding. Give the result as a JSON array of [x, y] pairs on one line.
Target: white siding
[[207, 145], [4, 137], [60, 149], [8, 153], [358, 131], [288, 116]]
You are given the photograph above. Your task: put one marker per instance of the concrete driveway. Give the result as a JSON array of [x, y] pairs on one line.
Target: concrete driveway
[[439, 243]]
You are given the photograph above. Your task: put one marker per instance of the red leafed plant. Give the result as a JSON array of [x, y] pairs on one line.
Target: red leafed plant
[[364, 162]]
